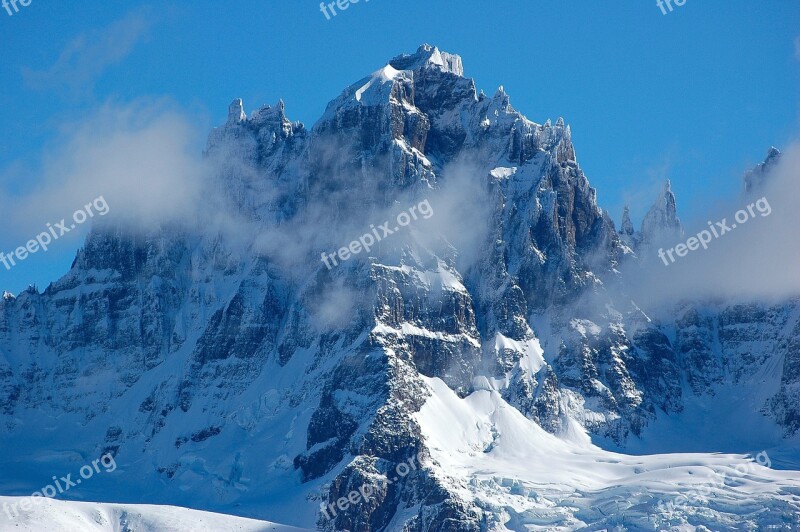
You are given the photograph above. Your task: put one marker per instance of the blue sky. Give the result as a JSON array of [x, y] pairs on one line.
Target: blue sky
[[696, 95]]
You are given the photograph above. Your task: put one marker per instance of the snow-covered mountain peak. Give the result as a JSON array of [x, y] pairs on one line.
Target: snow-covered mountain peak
[[501, 100], [428, 56], [395, 80], [274, 119], [376, 89]]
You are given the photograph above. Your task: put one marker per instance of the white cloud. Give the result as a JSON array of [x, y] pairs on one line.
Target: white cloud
[[143, 158], [755, 260], [87, 56]]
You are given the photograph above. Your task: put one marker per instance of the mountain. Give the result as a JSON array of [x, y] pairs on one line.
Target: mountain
[[483, 368]]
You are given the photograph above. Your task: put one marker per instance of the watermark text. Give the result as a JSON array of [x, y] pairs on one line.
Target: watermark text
[[54, 232], [62, 485], [715, 230], [366, 241]]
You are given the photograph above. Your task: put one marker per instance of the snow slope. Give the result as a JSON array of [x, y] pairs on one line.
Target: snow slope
[[489, 453], [62, 516]]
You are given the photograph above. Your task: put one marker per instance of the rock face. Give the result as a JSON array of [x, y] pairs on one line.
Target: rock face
[[755, 177], [661, 221], [171, 347], [626, 228]]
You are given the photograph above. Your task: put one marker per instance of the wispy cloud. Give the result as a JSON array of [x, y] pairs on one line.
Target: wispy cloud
[[143, 157], [86, 57], [755, 261]]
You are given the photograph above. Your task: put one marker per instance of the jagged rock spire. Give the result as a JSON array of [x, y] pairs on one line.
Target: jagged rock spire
[[627, 226], [754, 178], [236, 112], [662, 218]]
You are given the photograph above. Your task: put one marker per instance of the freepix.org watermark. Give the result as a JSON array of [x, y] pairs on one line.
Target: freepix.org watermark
[[668, 3], [365, 492], [62, 485], [719, 481], [328, 8], [54, 232], [715, 230], [377, 234], [8, 4]]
